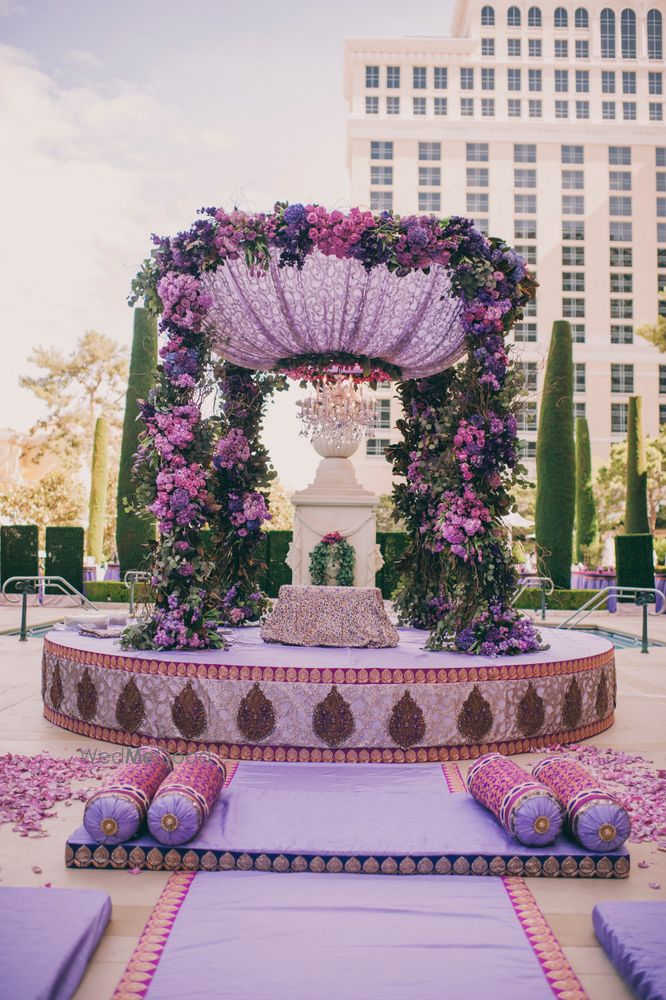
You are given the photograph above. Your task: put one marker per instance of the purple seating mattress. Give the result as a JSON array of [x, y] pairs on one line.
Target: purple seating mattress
[[633, 935]]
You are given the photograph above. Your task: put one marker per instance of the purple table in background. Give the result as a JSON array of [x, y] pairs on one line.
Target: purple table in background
[[660, 583], [587, 580], [112, 571], [89, 573]]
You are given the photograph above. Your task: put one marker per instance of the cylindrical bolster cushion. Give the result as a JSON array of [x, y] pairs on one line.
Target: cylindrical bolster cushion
[[185, 798], [115, 811], [595, 818], [526, 809]]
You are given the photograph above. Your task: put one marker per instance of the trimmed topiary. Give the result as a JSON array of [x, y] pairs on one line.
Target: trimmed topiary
[[64, 555], [134, 533], [634, 560], [98, 483], [636, 521], [555, 490], [587, 529], [19, 551]]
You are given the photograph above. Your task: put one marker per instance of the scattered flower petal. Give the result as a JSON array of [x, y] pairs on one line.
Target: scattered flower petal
[[37, 870], [643, 864], [654, 885], [135, 871]]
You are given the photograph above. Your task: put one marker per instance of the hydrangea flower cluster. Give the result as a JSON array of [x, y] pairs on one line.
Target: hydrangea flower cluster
[[484, 444], [248, 512], [185, 304], [249, 611], [497, 631], [182, 496], [460, 521], [231, 450]]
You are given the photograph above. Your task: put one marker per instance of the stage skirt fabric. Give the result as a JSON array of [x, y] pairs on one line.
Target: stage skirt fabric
[[184, 800], [595, 818], [526, 809], [115, 812]]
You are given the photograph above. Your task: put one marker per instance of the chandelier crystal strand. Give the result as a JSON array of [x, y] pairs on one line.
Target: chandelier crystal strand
[[338, 411]]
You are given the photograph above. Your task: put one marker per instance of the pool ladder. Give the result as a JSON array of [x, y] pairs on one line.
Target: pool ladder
[[643, 597]]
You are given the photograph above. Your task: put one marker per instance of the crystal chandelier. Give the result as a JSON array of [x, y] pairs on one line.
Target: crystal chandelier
[[337, 411]]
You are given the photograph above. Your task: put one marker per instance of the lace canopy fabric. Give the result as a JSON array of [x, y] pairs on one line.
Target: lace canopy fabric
[[335, 306]]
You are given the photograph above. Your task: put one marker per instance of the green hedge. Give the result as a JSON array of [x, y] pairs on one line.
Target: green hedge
[[633, 559], [64, 555], [19, 551], [559, 600], [277, 547], [99, 591], [392, 544]]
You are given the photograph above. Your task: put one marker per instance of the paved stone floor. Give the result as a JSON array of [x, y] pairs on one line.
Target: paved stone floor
[[640, 727]]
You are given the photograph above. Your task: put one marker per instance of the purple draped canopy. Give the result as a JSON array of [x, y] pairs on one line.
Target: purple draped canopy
[[335, 306]]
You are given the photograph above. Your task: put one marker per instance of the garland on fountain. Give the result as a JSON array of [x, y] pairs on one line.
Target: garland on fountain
[[332, 554], [459, 451]]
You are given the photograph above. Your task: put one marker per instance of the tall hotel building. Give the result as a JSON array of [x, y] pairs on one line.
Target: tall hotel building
[[545, 125]]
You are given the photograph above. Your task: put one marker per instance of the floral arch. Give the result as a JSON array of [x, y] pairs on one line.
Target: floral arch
[[247, 300]]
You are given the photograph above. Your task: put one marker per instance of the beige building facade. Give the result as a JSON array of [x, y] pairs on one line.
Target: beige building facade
[[545, 124]]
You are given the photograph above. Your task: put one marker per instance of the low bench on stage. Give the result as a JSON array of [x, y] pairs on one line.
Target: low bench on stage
[[270, 702], [633, 935], [47, 938]]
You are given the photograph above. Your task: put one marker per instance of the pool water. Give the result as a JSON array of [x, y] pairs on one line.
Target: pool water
[[619, 639]]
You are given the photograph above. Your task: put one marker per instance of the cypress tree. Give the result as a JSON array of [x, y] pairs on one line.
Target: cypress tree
[[132, 531], [98, 482], [587, 529], [636, 521], [555, 462]]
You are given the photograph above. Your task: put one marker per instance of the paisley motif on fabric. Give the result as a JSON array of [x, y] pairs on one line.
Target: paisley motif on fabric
[[130, 709], [531, 713], [188, 713], [407, 724], [572, 705], [475, 718], [601, 702], [333, 719], [256, 715], [56, 692], [86, 697]]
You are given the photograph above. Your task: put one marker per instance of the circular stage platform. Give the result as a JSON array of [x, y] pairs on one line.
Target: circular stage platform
[[284, 703]]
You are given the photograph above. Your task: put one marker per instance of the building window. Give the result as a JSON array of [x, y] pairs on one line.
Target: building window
[[527, 449], [578, 333], [619, 418], [487, 79], [582, 109], [561, 109], [661, 257], [579, 409], [656, 112], [572, 154], [622, 283], [561, 48], [381, 201], [383, 413], [621, 257], [662, 414], [466, 78], [513, 18], [662, 380], [629, 111], [526, 417], [382, 176], [377, 447], [619, 205], [525, 333], [393, 77], [579, 377], [466, 107], [514, 108], [628, 82], [441, 107], [573, 281], [622, 308], [661, 283], [607, 22], [582, 81], [534, 17], [419, 77], [530, 308], [527, 251], [561, 81], [661, 208], [529, 373], [573, 180], [661, 181], [581, 18], [430, 176], [620, 232], [573, 204], [524, 152], [561, 18], [392, 105], [381, 150], [513, 79], [524, 178], [477, 152], [573, 308], [607, 81], [371, 76], [513, 47], [534, 49], [535, 109], [418, 106], [371, 105], [430, 201], [654, 35], [487, 107], [430, 151], [582, 49], [622, 378], [525, 229], [608, 110], [661, 232], [628, 33], [534, 79], [573, 229], [477, 202], [619, 156], [441, 78], [487, 46], [622, 333], [477, 177], [573, 256], [487, 16], [524, 204], [620, 180]]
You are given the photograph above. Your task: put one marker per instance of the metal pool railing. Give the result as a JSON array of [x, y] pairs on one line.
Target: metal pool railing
[[643, 597]]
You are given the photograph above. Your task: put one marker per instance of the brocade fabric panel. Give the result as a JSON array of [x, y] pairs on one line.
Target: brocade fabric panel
[[525, 808], [185, 798], [115, 812]]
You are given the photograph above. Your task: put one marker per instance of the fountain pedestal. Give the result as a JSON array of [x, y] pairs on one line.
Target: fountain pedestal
[[335, 501]]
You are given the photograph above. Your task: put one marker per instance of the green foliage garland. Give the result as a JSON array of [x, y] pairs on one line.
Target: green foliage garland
[[332, 552]]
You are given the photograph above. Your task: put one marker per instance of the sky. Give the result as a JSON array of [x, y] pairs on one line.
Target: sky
[[122, 119]]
